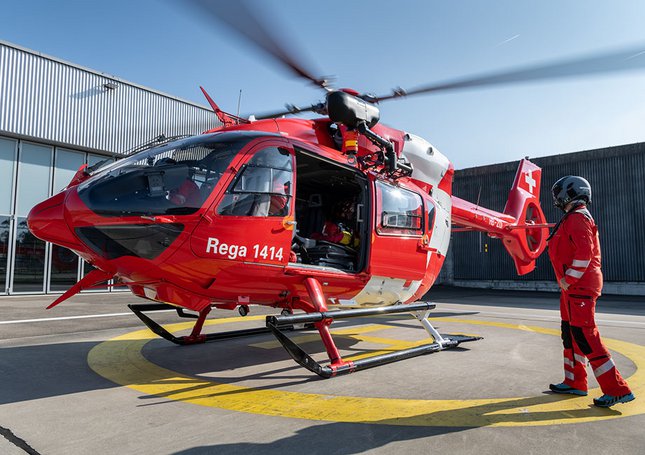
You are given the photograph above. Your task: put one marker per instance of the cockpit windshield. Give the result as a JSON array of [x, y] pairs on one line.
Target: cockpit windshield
[[171, 179]]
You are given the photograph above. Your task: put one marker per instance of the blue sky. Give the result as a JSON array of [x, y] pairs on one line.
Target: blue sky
[[374, 46]]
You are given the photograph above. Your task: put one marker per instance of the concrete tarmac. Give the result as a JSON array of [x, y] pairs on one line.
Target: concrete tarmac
[[67, 386]]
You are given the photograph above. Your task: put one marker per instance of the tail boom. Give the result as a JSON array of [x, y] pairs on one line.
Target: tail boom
[[522, 227]]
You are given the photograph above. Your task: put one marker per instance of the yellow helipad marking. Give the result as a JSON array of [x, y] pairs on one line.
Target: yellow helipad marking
[[121, 360]]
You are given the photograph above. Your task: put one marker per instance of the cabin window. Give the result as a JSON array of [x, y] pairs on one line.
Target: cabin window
[[263, 186], [400, 211]]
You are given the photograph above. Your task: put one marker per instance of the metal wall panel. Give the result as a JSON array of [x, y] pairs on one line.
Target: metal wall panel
[[42, 97], [616, 175]]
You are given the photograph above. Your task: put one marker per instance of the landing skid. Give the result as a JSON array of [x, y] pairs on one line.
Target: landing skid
[[440, 342], [321, 320]]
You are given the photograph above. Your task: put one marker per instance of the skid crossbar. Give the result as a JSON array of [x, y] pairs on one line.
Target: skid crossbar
[[291, 319], [140, 308], [275, 323]]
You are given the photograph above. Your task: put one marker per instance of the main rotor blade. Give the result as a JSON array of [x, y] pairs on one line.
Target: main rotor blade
[[291, 110], [623, 60], [238, 16]]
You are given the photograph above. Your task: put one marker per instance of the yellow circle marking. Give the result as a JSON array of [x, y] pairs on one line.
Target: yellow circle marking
[[121, 361]]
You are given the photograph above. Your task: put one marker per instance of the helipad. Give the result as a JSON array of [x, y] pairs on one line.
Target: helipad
[[248, 396], [121, 360]]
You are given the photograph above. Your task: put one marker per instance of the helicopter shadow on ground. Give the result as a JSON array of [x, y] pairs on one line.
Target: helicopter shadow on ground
[[352, 438], [49, 370], [52, 370], [218, 362], [41, 371], [224, 356]]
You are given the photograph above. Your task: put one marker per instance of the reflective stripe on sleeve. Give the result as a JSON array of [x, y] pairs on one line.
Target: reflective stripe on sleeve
[[579, 263], [569, 375], [605, 367], [574, 273], [569, 363]]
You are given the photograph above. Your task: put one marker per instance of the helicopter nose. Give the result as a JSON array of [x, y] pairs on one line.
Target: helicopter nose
[[47, 222]]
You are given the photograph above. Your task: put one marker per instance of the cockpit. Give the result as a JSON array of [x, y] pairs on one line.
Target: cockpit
[[170, 179]]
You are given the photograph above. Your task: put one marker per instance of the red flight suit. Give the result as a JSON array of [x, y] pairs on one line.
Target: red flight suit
[[186, 195], [574, 250]]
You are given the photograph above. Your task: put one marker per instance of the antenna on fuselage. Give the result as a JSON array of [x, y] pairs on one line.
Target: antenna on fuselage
[[239, 101]]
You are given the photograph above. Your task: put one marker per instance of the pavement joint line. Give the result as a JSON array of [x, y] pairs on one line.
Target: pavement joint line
[[17, 441]]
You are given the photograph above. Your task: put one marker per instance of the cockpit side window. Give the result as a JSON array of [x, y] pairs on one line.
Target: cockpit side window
[[263, 187]]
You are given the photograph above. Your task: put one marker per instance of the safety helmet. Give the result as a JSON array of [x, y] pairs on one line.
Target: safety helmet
[[570, 188]]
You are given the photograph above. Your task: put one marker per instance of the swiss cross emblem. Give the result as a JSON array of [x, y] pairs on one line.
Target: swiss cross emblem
[[530, 181]]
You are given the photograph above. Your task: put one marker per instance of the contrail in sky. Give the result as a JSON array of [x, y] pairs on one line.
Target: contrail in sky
[[507, 40], [635, 55]]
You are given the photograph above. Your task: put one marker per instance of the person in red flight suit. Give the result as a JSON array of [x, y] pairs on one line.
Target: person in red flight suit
[[279, 205], [186, 195], [338, 230], [574, 250]]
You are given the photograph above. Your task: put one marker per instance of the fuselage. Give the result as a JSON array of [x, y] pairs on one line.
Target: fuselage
[[234, 216]]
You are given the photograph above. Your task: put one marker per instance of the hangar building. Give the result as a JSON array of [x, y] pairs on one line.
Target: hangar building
[[616, 175], [56, 116]]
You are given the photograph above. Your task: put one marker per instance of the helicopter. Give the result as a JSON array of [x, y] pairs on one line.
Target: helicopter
[[324, 218]]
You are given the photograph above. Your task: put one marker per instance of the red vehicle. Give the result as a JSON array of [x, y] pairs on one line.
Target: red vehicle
[[239, 216], [229, 218]]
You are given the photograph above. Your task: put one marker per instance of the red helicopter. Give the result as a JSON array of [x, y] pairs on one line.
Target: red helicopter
[[301, 215]]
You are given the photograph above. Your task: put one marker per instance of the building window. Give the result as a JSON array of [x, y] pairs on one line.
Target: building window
[[8, 150], [5, 229], [34, 170], [64, 262]]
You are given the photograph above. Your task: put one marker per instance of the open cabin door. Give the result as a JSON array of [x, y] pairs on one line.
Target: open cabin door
[[332, 225]]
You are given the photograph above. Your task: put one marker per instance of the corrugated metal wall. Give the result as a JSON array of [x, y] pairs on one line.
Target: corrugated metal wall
[[616, 175], [45, 98]]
